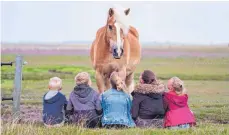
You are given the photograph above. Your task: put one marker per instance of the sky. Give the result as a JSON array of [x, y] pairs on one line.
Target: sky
[[58, 22]]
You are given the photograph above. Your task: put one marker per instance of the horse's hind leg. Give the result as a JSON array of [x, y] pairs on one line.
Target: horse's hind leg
[[99, 81]]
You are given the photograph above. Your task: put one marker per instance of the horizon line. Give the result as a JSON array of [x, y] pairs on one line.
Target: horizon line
[[88, 42]]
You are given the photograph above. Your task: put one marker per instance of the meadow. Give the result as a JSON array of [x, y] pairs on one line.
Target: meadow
[[206, 79]]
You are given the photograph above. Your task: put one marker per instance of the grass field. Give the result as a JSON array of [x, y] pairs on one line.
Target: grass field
[[28, 129], [206, 78]]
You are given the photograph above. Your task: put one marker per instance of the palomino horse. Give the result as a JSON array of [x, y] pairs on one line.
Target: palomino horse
[[116, 48]]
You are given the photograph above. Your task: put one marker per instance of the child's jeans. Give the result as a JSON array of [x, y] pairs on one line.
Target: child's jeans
[[149, 123], [183, 126], [56, 125]]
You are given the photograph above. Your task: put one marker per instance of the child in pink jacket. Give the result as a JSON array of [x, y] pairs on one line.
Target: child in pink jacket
[[177, 112]]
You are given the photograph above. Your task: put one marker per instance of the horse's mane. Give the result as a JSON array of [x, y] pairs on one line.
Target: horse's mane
[[121, 18], [134, 32]]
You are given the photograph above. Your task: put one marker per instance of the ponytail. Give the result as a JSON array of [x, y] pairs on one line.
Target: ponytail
[[120, 84], [117, 82], [178, 86], [179, 89]]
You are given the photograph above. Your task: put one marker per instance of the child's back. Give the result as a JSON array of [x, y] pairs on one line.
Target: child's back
[[147, 109], [84, 97], [177, 110], [116, 108], [53, 109], [116, 105], [54, 104], [84, 103], [178, 113]]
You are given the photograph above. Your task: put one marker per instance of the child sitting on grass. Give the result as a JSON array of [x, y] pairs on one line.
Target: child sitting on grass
[[178, 115], [84, 104], [147, 109], [54, 103], [116, 105]]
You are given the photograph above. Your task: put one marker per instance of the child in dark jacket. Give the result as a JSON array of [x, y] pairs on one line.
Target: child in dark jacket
[[178, 115], [84, 104], [147, 105], [53, 104]]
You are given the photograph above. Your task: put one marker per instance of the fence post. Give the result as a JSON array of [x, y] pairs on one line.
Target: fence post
[[17, 87]]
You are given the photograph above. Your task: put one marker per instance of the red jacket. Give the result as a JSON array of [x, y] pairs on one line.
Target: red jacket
[[177, 110]]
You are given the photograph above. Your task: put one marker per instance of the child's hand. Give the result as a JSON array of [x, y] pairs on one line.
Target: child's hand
[[48, 126]]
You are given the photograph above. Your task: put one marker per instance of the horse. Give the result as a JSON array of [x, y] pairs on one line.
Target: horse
[[115, 48]]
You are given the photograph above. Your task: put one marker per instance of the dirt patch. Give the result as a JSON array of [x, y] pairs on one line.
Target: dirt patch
[[29, 113], [55, 71]]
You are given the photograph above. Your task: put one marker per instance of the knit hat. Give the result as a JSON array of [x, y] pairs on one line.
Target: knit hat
[[82, 78], [148, 77]]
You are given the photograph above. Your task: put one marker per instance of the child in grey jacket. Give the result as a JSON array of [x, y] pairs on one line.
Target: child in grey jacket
[[84, 103]]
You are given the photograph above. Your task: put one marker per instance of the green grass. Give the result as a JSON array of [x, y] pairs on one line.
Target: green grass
[[67, 66], [206, 80]]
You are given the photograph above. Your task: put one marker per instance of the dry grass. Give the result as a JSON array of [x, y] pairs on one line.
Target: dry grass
[[30, 129]]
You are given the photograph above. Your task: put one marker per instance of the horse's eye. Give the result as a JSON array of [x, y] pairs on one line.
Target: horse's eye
[[110, 27]]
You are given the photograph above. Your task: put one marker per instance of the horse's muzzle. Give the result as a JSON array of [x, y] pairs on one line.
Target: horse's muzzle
[[116, 54]]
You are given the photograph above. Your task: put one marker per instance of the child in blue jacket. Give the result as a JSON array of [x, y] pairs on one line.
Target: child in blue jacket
[[116, 105], [53, 104]]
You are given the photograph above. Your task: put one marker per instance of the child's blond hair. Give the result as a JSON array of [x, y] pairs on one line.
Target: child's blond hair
[[117, 82], [55, 83], [83, 78], [177, 85]]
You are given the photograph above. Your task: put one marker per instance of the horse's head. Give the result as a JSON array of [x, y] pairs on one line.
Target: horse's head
[[117, 28]]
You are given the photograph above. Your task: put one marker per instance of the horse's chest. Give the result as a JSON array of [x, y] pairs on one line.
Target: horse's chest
[[108, 68], [112, 66]]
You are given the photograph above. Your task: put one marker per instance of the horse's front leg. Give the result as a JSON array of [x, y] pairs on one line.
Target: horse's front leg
[[99, 81], [130, 82], [107, 83]]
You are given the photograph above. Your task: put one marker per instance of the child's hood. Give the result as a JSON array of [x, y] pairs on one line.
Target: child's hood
[[84, 93], [152, 90], [176, 99], [51, 97]]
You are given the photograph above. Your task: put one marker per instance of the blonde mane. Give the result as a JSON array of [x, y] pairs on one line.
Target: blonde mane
[[121, 18]]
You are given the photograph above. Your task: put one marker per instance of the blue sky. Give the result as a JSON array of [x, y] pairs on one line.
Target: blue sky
[[57, 22]]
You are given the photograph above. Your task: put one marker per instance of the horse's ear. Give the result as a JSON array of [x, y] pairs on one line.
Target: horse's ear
[[111, 12], [127, 11]]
